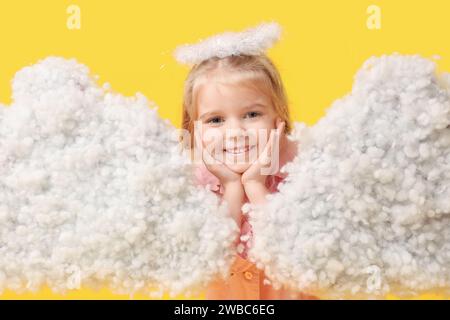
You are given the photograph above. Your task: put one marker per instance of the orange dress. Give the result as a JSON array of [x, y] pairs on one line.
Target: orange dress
[[246, 281]]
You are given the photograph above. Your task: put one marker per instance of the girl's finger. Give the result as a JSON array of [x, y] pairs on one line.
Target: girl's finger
[[265, 155], [278, 133], [275, 145], [271, 148]]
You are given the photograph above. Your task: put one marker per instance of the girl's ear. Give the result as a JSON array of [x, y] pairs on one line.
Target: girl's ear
[[277, 122]]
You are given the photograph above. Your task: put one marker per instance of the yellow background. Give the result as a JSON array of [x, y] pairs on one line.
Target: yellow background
[[130, 43]]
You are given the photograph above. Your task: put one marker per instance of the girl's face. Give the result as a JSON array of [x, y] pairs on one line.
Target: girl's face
[[235, 123]]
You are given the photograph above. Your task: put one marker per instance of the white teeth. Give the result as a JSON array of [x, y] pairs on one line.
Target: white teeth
[[237, 150]]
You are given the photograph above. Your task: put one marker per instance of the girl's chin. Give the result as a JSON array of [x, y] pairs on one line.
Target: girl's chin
[[238, 167]]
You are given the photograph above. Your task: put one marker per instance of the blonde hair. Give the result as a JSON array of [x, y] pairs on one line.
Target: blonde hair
[[256, 71]]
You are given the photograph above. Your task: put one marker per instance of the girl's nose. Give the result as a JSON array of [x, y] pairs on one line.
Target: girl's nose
[[234, 130], [234, 126]]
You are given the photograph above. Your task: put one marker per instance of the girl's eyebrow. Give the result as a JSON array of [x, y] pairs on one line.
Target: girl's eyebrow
[[207, 114], [259, 105]]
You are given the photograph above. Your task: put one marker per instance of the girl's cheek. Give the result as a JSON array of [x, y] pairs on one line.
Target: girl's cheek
[[214, 145]]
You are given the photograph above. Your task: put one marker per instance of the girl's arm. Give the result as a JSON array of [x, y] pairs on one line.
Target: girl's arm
[[256, 192], [234, 195]]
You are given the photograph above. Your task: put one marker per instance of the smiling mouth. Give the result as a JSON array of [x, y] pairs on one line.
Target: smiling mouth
[[238, 151]]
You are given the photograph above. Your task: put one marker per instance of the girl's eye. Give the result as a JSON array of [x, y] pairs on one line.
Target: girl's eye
[[214, 120], [252, 114]]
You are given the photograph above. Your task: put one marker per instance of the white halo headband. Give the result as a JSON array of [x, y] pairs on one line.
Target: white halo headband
[[252, 41]]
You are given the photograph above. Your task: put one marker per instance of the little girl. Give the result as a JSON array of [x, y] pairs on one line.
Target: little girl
[[233, 97]]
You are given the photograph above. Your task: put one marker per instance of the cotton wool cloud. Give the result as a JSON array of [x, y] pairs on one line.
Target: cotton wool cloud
[[365, 209], [95, 193]]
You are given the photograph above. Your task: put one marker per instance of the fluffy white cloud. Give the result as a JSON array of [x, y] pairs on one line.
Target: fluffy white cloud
[[94, 192], [365, 209]]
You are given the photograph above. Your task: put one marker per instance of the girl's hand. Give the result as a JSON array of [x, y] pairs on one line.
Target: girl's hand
[[254, 173]]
